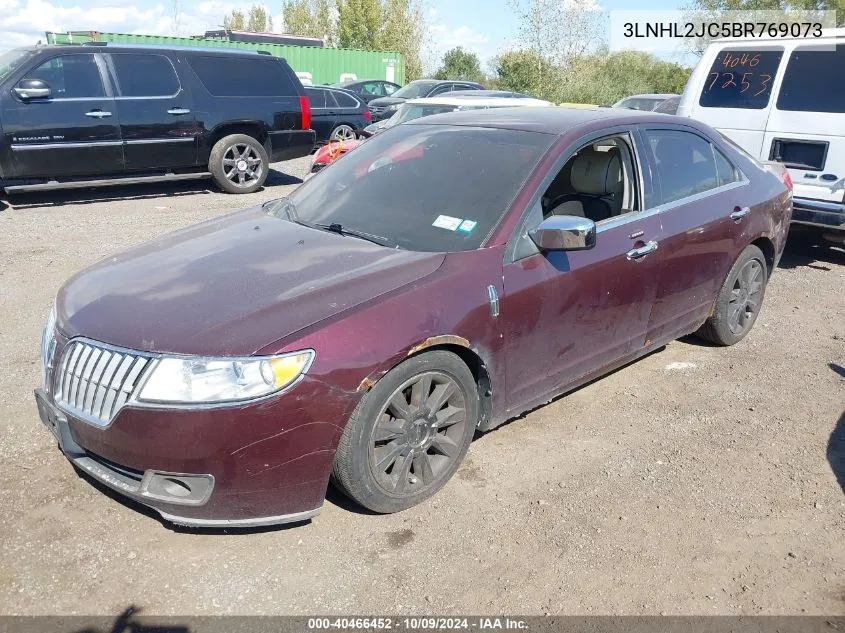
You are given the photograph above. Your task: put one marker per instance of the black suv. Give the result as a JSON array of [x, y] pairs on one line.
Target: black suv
[[97, 114]]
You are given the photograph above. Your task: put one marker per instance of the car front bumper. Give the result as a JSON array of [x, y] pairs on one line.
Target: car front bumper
[[257, 464], [819, 213], [291, 144]]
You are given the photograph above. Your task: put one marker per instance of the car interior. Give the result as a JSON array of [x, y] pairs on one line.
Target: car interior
[[598, 182]]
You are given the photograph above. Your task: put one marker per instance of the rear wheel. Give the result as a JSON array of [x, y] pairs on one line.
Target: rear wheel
[[739, 301], [409, 434], [342, 133], [238, 164]]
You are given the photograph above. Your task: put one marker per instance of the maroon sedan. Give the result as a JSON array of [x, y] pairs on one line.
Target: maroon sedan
[[441, 279]]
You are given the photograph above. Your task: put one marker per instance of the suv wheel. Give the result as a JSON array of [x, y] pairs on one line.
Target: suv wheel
[[238, 164]]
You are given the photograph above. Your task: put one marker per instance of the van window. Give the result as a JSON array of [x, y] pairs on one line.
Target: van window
[[74, 76], [814, 81], [741, 79], [242, 76], [685, 163], [145, 75]]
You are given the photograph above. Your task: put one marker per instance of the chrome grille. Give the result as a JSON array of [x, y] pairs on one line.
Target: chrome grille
[[94, 382]]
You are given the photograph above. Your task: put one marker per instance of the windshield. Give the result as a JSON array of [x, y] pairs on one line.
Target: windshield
[[422, 187], [10, 60], [414, 89]]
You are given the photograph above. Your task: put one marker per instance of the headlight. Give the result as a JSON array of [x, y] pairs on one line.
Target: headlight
[[218, 380], [392, 108], [48, 347]]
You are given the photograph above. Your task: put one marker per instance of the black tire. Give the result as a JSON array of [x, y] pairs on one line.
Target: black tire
[[740, 300], [428, 446], [239, 164]]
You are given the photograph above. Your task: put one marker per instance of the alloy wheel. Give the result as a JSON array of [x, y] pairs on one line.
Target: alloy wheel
[[417, 435], [745, 297], [242, 165], [343, 133]]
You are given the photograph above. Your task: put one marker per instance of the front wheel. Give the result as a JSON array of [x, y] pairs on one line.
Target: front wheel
[[239, 164], [409, 434], [739, 300]]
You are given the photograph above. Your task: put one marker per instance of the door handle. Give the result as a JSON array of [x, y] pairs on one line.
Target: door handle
[[178, 111], [98, 114], [738, 214], [642, 251]]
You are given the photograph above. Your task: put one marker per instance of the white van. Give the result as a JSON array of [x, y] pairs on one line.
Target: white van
[[784, 100]]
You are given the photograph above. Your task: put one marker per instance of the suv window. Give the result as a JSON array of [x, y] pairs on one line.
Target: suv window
[[812, 81], [145, 75], [685, 162], [741, 79], [74, 76], [316, 97], [345, 100], [389, 89], [242, 76]]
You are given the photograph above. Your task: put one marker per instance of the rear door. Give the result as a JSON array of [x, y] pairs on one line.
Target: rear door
[[806, 129], [736, 94], [704, 203], [156, 116], [74, 131], [323, 112]]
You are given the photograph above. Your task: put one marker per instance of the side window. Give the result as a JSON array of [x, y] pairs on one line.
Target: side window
[[686, 163], [598, 182], [345, 100], [316, 97], [145, 75], [331, 102], [389, 89], [808, 84], [439, 90], [242, 75], [74, 76], [725, 169], [371, 88], [741, 79]]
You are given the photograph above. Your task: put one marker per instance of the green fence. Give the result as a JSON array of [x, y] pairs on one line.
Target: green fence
[[325, 65]]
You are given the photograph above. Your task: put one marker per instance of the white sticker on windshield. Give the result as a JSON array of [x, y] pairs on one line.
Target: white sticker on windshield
[[447, 222], [467, 226]]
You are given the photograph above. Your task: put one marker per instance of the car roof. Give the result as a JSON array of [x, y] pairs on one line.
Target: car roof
[[488, 93], [836, 33], [552, 120], [481, 101], [109, 46]]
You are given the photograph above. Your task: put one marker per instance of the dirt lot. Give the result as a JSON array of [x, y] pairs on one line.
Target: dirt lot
[[697, 480]]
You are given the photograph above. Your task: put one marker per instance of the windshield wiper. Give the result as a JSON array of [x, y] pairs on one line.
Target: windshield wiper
[[334, 227]]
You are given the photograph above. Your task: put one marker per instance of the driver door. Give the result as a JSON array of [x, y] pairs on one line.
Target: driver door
[[74, 131], [567, 315]]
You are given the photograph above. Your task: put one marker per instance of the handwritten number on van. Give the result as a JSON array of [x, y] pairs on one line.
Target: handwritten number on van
[[766, 80]]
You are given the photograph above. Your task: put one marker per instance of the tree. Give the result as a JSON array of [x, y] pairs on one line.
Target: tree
[[460, 64], [257, 21], [175, 16], [517, 70], [404, 30], [234, 21], [359, 23], [310, 18]]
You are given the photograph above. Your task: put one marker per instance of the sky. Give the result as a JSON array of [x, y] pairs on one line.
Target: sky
[[486, 27]]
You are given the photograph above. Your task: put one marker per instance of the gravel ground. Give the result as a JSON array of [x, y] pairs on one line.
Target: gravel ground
[[698, 480]]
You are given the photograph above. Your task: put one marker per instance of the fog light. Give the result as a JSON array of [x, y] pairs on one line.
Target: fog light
[[193, 490]]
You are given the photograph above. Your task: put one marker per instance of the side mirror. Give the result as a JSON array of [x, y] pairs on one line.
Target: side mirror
[[32, 89], [564, 233]]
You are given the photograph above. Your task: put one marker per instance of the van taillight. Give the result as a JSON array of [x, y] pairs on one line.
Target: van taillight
[[305, 107], [787, 180]]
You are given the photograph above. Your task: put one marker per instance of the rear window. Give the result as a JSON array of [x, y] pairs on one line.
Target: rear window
[[814, 81], [345, 100], [140, 75], [741, 79], [242, 76]]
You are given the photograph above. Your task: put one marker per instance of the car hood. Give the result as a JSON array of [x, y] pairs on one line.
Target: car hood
[[386, 101], [230, 286]]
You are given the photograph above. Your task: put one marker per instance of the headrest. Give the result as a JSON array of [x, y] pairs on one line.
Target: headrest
[[596, 173]]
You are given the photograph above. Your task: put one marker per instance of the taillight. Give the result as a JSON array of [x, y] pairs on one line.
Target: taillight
[[787, 180], [368, 115], [305, 107]]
